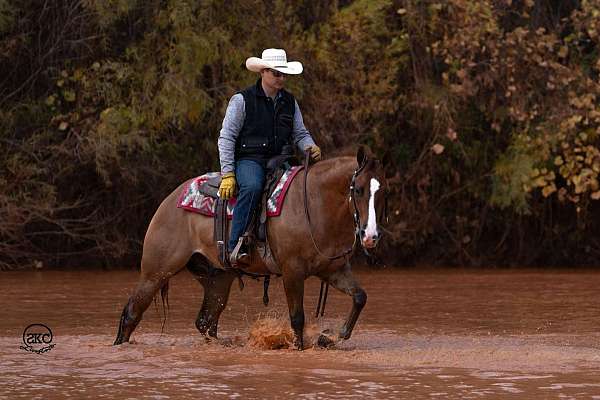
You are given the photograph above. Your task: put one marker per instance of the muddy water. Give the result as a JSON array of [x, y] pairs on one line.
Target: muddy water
[[428, 334]]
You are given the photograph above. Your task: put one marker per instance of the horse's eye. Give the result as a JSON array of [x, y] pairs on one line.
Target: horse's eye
[[359, 191]]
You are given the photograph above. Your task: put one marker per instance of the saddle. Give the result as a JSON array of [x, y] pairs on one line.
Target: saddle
[[210, 187], [256, 232]]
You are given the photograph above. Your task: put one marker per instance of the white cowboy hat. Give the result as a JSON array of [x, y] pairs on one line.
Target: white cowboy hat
[[274, 59]]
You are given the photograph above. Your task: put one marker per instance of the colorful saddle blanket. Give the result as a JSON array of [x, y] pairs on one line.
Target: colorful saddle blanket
[[191, 199]]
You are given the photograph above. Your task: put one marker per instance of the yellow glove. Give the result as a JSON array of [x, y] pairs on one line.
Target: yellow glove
[[315, 152], [227, 187]]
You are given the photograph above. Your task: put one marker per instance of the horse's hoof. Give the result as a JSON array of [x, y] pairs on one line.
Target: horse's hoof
[[208, 339], [120, 340], [324, 340], [299, 345]]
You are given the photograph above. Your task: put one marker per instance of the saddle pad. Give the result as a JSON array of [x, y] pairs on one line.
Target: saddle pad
[[191, 199]]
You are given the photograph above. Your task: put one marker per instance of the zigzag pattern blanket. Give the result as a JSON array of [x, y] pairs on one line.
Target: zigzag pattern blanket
[[192, 200]]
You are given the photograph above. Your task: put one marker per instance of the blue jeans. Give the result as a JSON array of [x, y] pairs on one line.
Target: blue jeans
[[250, 177]]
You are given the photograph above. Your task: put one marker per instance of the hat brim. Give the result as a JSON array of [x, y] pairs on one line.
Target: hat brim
[[256, 64]]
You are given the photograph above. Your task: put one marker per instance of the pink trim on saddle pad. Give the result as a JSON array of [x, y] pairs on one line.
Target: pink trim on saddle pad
[[192, 200]]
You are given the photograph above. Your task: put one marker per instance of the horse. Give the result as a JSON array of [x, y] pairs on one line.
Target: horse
[[336, 193]]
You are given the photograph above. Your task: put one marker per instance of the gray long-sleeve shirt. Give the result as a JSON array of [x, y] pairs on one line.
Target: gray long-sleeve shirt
[[232, 125]]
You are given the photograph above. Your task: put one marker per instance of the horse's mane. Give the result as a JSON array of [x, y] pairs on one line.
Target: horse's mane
[[348, 150], [335, 170], [334, 163]]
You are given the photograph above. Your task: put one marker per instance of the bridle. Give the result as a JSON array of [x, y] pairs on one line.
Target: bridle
[[356, 212], [351, 200]]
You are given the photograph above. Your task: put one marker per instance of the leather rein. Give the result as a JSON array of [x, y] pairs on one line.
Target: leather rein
[[352, 200]]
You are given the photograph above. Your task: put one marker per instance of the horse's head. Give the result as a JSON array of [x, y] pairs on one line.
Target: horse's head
[[368, 197]]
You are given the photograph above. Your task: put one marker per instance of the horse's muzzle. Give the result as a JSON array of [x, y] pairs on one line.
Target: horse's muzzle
[[369, 241]]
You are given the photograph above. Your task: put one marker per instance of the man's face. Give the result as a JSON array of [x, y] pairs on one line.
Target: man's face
[[272, 78]]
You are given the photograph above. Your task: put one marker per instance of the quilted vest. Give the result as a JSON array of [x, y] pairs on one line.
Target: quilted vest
[[267, 128]]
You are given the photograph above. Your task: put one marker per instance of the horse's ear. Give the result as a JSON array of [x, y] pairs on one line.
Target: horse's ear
[[361, 155]]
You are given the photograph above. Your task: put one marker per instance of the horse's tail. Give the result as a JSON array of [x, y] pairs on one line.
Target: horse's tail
[[164, 296]]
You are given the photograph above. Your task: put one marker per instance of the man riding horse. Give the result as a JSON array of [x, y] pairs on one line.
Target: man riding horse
[[346, 195], [259, 123]]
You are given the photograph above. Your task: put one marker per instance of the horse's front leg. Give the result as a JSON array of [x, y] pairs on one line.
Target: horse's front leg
[[293, 284], [344, 281]]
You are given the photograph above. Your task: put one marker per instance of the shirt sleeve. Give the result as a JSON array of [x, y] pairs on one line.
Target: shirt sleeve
[[300, 135], [232, 125]]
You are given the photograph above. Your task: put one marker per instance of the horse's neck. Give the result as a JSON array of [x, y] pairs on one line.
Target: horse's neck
[[335, 174], [331, 180]]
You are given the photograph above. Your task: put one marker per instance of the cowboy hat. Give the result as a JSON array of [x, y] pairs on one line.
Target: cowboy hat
[[274, 59]]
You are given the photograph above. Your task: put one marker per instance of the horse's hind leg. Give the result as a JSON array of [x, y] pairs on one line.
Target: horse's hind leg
[[135, 307], [345, 282], [216, 284], [152, 279]]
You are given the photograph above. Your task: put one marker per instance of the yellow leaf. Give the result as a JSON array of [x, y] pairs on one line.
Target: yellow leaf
[[563, 52], [540, 182], [534, 172], [451, 134], [437, 148], [548, 190], [69, 95]]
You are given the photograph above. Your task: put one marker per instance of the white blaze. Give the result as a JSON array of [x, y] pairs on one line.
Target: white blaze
[[372, 221]]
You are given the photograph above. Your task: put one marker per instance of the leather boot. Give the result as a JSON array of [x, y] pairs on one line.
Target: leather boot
[[240, 253]]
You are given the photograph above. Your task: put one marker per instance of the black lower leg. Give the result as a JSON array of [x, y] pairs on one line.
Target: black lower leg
[[216, 293], [297, 322], [359, 299], [126, 325]]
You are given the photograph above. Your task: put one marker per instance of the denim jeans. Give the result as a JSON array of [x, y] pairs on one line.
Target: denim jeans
[[250, 177]]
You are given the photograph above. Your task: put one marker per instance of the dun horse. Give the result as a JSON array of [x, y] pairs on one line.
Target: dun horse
[[345, 198]]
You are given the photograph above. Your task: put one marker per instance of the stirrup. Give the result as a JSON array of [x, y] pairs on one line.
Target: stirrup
[[238, 256]]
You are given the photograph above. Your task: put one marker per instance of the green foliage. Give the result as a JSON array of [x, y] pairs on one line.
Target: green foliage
[[7, 16], [487, 112], [511, 180], [524, 79]]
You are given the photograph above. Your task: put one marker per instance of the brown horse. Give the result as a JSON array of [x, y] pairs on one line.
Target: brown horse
[[345, 197]]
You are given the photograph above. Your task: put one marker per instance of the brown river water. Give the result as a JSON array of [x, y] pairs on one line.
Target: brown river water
[[459, 334]]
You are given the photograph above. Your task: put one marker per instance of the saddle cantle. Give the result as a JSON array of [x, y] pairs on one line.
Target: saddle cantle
[[210, 187]]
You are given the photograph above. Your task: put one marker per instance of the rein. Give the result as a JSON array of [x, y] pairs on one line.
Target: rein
[[355, 214], [356, 217]]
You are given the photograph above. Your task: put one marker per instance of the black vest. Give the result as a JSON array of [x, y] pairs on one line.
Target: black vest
[[266, 128]]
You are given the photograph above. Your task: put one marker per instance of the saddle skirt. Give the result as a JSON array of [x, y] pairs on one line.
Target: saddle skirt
[[198, 194]]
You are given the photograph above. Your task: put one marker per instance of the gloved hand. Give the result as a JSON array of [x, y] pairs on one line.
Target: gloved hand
[[315, 152], [227, 187]]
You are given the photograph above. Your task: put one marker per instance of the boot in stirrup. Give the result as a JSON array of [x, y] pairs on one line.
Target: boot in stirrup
[[240, 253]]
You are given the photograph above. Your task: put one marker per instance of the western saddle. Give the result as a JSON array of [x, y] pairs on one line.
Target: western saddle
[[256, 231]]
